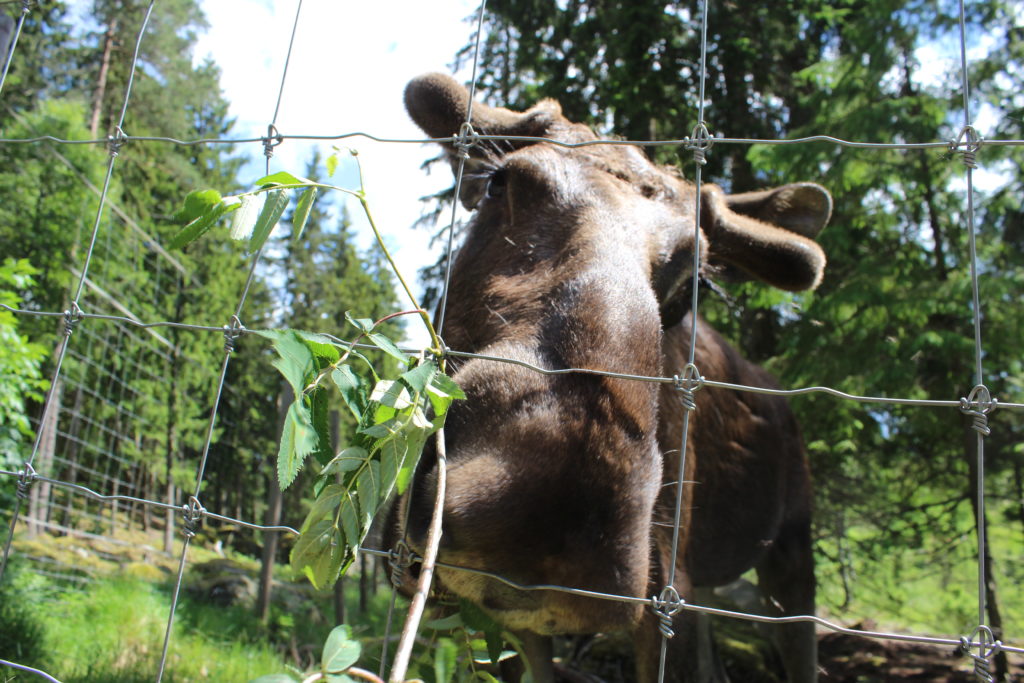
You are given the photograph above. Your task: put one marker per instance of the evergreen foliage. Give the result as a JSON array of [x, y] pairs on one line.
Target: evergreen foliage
[[893, 317]]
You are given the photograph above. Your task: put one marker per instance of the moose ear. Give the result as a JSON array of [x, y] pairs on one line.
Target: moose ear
[[769, 235], [439, 104]]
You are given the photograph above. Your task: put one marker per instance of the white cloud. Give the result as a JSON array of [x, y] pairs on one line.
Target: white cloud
[[348, 69]]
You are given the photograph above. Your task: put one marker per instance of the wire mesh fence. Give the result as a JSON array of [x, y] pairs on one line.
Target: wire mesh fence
[[85, 474]]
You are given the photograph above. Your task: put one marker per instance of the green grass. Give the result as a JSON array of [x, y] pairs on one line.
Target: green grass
[[113, 631]]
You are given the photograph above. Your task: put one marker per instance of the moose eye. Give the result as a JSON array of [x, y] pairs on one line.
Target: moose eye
[[496, 184]]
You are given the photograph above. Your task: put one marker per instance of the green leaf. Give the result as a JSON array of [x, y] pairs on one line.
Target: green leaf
[[478, 620], [320, 554], [273, 208], [340, 651], [244, 218], [445, 624], [443, 385], [420, 377], [324, 506], [275, 678], [348, 513], [200, 225], [282, 178], [388, 347], [298, 440], [351, 388], [364, 325], [391, 393], [320, 415], [320, 345], [301, 215], [367, 487], [445, 657], [197, 203], [346, 461], [295, 360], [332, 164]]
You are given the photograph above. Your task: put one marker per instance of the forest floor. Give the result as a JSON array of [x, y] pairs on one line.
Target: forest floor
[[746, 655]]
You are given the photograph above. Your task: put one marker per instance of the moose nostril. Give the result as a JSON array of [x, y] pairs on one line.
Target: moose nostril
[[496, 184]]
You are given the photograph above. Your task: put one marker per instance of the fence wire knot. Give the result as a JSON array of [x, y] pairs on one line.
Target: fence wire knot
[[232, 332], [115, 141], [193, 512], [26, 478], [665, 606], [399, 560], [690, 382], [72, 317], [273, 139], [979, 404], [971, 142], [465, 140], [699, 142], [988, 647]]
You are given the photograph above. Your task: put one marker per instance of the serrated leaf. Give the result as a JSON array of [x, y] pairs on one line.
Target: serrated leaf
[[273, 209], [445, 657], [345, 461], [348, 514], [364, 325], [196, 204], [295, 361], [350, 386], [420, 421], [391, 393], [282, 178], [320, 345], [388, 347], [443, 385], [340, 651], [298, 440], [368, 490], [383, 430], [313, 542], [420, 377], [445, 624], [200, 225], [320, 415], [478, 620], [244, 217], [324, 506], [390, 461], [301, 215]]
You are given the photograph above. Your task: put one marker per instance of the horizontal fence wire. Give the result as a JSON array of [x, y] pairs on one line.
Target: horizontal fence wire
[[953, 144], [193, 511]]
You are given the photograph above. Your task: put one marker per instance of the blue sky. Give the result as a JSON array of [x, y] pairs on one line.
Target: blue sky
[[349, 66]]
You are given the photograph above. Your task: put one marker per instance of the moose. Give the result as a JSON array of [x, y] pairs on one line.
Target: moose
[[582, 257]]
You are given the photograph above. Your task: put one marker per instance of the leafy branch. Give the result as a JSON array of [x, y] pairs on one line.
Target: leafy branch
[[394, 417]]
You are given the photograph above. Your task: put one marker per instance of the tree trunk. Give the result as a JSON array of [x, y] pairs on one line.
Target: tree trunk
[[340, 613], [272, 518], [101, 80], [364, 583], [39, 493], [995, 619]]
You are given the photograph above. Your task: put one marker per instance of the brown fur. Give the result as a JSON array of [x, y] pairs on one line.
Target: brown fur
[[580, 258]]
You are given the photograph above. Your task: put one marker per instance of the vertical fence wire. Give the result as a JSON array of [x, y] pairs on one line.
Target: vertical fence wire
[[194, 510], [669, 603], [462, 143], [73, 314], [26, 5], [987, 643]]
